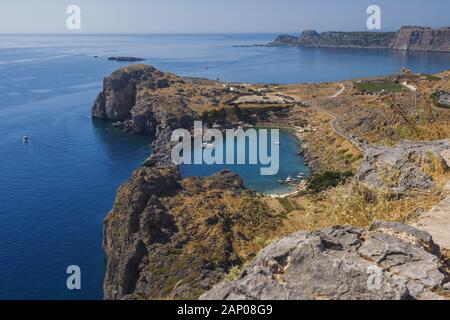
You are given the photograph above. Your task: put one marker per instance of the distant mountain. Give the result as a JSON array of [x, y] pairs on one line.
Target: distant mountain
[[413, 38]]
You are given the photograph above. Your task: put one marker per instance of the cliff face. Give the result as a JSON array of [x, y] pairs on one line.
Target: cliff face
[[422, 39], [173, 238], [120, 91], [407, 38], [139, 97]]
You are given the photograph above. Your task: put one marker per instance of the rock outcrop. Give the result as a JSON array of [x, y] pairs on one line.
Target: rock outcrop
[[422, 39], [134, 96], [406, 166], [139, 98], [389, 261], [171, 238], [120, 92], [407, 38]]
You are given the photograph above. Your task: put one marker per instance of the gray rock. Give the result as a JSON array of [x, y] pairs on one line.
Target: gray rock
[[119, 92], [398, 169], [390, 261]]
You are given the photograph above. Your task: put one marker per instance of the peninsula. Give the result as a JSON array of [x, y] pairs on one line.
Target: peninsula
[[412, 38]]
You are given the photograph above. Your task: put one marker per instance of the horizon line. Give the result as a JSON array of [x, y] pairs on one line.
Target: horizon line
[[78, 33]]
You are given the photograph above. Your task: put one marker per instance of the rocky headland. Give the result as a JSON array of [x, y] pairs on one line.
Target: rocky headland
[[171, 238], [412, 38]]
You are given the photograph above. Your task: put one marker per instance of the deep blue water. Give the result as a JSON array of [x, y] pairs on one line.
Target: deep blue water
[[56, 190]]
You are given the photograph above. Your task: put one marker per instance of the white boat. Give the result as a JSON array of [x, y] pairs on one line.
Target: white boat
[[290, 179], [25, 139], [277, 143]]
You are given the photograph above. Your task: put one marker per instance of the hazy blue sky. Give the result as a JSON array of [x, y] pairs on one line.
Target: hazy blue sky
[[190, 16]]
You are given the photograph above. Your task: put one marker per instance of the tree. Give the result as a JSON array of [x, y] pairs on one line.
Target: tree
[[237, 111]]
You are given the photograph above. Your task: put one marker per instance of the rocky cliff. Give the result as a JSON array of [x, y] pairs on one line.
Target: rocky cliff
[[139, 97], [142, 99], [407, 38], [171, 238], [422, 39], [389, 261]]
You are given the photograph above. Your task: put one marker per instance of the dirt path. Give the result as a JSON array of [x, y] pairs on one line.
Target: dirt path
[[341, 91]]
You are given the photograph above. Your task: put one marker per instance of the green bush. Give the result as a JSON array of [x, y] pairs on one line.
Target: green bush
[[326, 180]]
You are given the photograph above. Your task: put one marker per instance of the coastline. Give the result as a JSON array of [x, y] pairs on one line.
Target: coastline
[[311, 161]]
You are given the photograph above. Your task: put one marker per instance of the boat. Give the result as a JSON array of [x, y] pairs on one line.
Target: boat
[[25, 139], [277, 143]]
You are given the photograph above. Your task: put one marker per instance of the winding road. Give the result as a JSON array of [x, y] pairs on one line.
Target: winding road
[[335, 122]]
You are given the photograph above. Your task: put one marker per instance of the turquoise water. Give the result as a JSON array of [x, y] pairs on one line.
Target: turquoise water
[[289, 164], [56, 191]]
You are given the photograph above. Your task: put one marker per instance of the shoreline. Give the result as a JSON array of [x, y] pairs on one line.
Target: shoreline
[[302, 148]]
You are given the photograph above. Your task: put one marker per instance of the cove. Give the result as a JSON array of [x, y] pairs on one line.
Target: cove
[[291, 164]]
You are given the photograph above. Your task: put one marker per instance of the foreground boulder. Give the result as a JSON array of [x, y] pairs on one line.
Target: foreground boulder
[[389, 261]]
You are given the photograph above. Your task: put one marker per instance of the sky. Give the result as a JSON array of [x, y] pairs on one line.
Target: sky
[[217, 16]]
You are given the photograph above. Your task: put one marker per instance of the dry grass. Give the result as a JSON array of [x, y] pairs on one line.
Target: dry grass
[[334, 152], [353, 205]]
